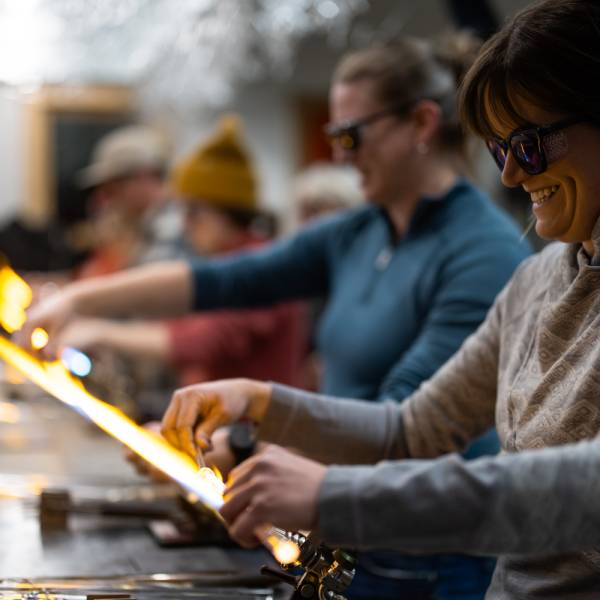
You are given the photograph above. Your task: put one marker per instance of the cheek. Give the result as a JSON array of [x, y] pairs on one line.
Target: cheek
[[585, 192], [581, 167], [580, 208], [388, 159], [401, 150]]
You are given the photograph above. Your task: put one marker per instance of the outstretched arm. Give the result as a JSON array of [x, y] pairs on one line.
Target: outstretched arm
[[160, 289], [442, 416], [136, 339], [537, 501]]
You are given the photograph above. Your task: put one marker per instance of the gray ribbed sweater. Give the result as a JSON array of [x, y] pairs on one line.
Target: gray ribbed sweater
[[534, 366]]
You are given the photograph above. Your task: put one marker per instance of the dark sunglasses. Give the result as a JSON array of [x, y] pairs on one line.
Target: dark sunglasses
[[349, 134], [533, 148]]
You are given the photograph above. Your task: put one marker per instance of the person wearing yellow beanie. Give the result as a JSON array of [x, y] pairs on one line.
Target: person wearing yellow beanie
[[218, 185], [219, 171]]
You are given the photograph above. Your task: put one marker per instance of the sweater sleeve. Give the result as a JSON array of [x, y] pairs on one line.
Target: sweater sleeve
[[458, 403], [538, 501], [464, 290], [291, 269], [443, 416], [333, 430]]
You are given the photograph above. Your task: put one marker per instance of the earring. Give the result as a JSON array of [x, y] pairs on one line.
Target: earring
[[422, 148]]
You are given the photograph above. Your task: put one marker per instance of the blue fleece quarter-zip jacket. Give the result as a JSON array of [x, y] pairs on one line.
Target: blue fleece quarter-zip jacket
[[395, 310]]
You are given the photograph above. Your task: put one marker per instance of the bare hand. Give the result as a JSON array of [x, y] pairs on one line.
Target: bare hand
[[196, 411], [83, 334], [51, 314], [275, 486], [220, 456]]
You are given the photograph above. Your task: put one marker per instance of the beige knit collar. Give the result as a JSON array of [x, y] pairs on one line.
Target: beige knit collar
[[596, 242]]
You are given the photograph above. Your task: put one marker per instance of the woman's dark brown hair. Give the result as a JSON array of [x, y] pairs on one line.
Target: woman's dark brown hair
[[411, 69], [548, 54]]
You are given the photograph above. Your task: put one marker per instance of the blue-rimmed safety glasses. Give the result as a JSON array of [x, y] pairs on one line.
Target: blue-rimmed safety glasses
[[533, 148]]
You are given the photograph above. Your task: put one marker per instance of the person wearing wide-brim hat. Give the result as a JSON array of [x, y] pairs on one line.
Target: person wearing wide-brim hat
[[131, 221]]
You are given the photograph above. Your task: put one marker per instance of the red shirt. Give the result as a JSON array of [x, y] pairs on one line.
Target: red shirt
[[267, 343]]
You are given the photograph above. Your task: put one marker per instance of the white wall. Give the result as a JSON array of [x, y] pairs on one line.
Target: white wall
[[11, 153], [270, 132], [267, 108]]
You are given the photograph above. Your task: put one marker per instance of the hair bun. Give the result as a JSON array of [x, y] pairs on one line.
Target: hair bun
[[457, 50]]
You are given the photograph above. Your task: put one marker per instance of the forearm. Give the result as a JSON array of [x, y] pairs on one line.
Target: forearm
[[535, 502], [157, 290], [333, 430], [139, 340], [458, 403]]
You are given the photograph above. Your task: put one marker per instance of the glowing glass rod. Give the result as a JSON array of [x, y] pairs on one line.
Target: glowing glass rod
[[55, 379]]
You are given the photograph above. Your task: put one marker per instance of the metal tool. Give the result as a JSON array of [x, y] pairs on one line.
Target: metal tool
[[327, 573], [200, 458]]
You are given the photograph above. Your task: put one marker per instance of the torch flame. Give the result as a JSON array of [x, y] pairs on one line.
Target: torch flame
[[204, 484], [15, 297], [39, 338], [54, 378], [57, 381]]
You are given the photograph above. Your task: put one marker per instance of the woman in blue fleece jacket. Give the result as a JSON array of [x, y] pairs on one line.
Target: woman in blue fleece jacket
[[407, 277]]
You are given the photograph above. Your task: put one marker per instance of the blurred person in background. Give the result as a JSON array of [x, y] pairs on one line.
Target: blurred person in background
[[325, 188], [408, 276], [131, 221], [319, 190]]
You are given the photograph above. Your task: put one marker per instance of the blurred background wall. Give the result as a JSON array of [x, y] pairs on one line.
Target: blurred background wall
[[177, 65]]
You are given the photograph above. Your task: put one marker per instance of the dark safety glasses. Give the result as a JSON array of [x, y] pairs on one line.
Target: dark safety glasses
[[533, 148], [348, 135]]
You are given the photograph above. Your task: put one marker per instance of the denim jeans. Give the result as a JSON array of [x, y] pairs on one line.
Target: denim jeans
[[387, 576]]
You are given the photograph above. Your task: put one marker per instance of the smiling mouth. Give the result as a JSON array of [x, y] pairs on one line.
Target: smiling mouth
[[539, 197]]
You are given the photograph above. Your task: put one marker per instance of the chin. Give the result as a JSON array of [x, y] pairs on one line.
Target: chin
[[547, 233], [554, 234], [368, 189], [551, 230]]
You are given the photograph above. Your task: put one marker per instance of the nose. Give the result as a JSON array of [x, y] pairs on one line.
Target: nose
[[513, 175]]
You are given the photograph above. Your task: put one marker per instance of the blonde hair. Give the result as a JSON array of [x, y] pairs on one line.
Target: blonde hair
[[411, 69]]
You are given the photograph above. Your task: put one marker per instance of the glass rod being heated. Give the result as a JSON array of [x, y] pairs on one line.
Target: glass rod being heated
[[55, 379]]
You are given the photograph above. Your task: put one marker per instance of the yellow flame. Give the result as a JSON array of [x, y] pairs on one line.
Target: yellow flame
[[15, 297], [57, 381], [284, 550], [204, 484], [39, 338]]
